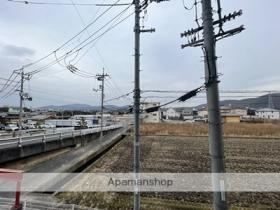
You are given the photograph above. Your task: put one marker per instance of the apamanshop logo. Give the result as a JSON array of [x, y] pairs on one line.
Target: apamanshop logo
[[153, 182]]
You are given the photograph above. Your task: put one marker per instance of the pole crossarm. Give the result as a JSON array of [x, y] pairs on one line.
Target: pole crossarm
[[226, 18], [219, 36], [148, 30]]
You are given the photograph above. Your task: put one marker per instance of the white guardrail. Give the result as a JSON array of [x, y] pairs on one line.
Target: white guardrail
[[43, 138]]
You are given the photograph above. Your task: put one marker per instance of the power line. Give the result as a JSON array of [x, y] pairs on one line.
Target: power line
[[106, 24], [66, 98], [12, 90], [71, 52], [111, 88], [119, 97], [9, 81], [69, 40], [65, 4], [84, 24], [221, 91], [116, 89], [182, 98]]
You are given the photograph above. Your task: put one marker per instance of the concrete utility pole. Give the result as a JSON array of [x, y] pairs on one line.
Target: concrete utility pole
[[23, 96], [137, 96], [136, 157], [21, 103], [216, 145], [101, 77]]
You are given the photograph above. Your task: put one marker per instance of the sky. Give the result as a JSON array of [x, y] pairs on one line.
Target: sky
[[247, 61]]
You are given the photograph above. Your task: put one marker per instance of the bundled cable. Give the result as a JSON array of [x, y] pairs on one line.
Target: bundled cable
[[182, 98]]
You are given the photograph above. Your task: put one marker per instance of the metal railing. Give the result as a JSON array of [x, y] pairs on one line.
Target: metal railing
[[26, 205], [47, 137]]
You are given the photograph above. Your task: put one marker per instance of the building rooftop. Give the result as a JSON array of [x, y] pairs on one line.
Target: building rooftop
[[267, 110]]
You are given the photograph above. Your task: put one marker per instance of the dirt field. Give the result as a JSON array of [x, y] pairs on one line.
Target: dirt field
[[184, 154], [229, 129]]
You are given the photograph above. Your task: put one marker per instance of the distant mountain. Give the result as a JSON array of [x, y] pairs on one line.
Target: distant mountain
[[256, 103], [81, 107]]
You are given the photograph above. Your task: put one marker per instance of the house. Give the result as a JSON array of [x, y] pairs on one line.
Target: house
[[173, 114], [268, 113], [87, 117], [10, 115], [153, 117], [189, 114], [70, 123], [231, 118], [225, 109], [203, 112]]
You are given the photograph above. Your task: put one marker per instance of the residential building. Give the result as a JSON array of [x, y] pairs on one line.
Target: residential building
[[173, 114], [9, 115], [231, 118], [239, 111], [268, 113], [203, 112], [153, 117], [70, 123]]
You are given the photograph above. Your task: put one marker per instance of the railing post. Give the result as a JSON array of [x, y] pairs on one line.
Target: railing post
[[24, 205], [60, 138], [44, 138], [19, 141], [44, 142], [73, 137]]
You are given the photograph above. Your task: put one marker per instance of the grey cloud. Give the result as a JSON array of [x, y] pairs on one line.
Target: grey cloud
[[16, 51]]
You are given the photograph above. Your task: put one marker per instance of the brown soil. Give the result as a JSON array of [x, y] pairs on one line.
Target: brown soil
[[185, 155]]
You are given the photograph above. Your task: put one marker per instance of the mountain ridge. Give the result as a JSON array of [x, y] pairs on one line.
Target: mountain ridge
[[254, 103]]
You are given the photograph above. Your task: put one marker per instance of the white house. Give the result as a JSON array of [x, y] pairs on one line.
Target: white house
[[153, 117], [172, 114], [268, 113], [203, 113], [239, 111]]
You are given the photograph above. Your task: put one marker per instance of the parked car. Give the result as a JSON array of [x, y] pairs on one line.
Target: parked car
[[28, 126], [11, 127], [46, 126], [2, 127]]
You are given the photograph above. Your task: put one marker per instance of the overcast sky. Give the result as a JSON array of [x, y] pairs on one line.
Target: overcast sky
[[249, 60]]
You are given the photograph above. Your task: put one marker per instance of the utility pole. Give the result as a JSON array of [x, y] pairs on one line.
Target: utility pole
[[23, 96], [216, 145], [101, 77], [136, 156], [21, 103], [137, 90], [208, 43]]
